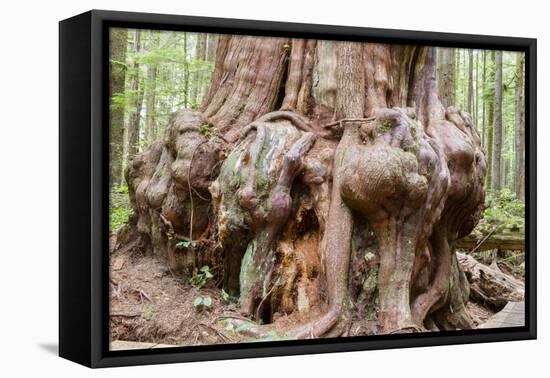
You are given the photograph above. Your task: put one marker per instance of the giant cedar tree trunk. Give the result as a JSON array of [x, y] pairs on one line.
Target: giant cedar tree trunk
[[320, 177]]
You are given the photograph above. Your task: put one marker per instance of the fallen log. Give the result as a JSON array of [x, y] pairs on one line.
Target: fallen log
[[502, 242], [488, 285]]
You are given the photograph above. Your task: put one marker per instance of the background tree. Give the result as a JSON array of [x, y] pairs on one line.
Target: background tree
[[150, 91], [497, 125], [469, 105], [446, 75], [490, 98], [136, 91], [483, 101], [519, 130], [118, 41]]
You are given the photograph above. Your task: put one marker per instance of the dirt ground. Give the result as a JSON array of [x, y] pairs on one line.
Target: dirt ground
[[149, 304]]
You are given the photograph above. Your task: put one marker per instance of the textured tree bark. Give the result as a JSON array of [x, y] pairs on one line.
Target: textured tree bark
[[497, 125], [519, 177], [483, 106], [118, 40], [319, 177], [469, 106], [490, 128], [200, 54], [136, 89], [446, 76], [150, 97]]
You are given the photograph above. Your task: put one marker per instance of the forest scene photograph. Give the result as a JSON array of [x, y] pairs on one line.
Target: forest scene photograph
[[271, 188]]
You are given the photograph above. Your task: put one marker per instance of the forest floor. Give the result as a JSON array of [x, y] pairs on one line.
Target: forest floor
[[149, 304]]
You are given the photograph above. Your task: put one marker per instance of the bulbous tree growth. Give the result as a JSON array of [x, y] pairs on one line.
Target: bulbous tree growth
[[320, 179]]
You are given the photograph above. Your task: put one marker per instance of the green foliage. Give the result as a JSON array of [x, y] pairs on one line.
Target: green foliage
[[180, 81], [206, 130], [149, 312], [385, 126], [186, 245], [118, 217], [228, 298], [200, 278], [503, 213], [485, 91], [122, 189], [230, 327], [202, 302]]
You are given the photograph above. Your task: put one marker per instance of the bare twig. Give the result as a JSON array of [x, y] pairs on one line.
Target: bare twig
[[144, 294], [483, 240], [218, 332], [264, 298], [233, 316], [341, 121], [124, 315]]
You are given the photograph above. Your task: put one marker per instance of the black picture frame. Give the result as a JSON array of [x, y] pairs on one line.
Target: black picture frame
[[83, 181]]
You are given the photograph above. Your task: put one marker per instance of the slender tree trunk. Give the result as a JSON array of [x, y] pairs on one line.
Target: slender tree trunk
[[490, 95], [186, 77], [200, 55], [476, 93], [464, 79], [483, 101], [519, 176], [469, 106], [136, 89], [211, 45], [150, 97], [118, 41], [497, 138], [446, 76]]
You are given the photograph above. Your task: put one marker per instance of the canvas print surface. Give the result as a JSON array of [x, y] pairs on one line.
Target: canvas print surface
[[266, 189]]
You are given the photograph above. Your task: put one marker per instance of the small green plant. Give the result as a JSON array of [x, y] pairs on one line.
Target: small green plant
[[122, 189], [202, 302], [206, 130], [185, 245], [149, 312], [228, 298], [118, 217], [229, 326], [200, 278], [385, 125]]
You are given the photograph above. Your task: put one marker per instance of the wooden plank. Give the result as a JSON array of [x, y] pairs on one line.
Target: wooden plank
[[126, 345], [512, 315]]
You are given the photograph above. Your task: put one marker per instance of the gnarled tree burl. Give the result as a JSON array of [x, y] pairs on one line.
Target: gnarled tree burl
[[323, 180]]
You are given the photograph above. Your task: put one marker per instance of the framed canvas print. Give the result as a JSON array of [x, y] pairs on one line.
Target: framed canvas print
[[233, 188]]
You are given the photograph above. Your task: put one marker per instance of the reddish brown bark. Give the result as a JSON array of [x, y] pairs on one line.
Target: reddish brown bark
[[303, 152]]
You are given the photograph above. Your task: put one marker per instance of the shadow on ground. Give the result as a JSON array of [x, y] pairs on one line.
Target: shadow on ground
[[51, 348]]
